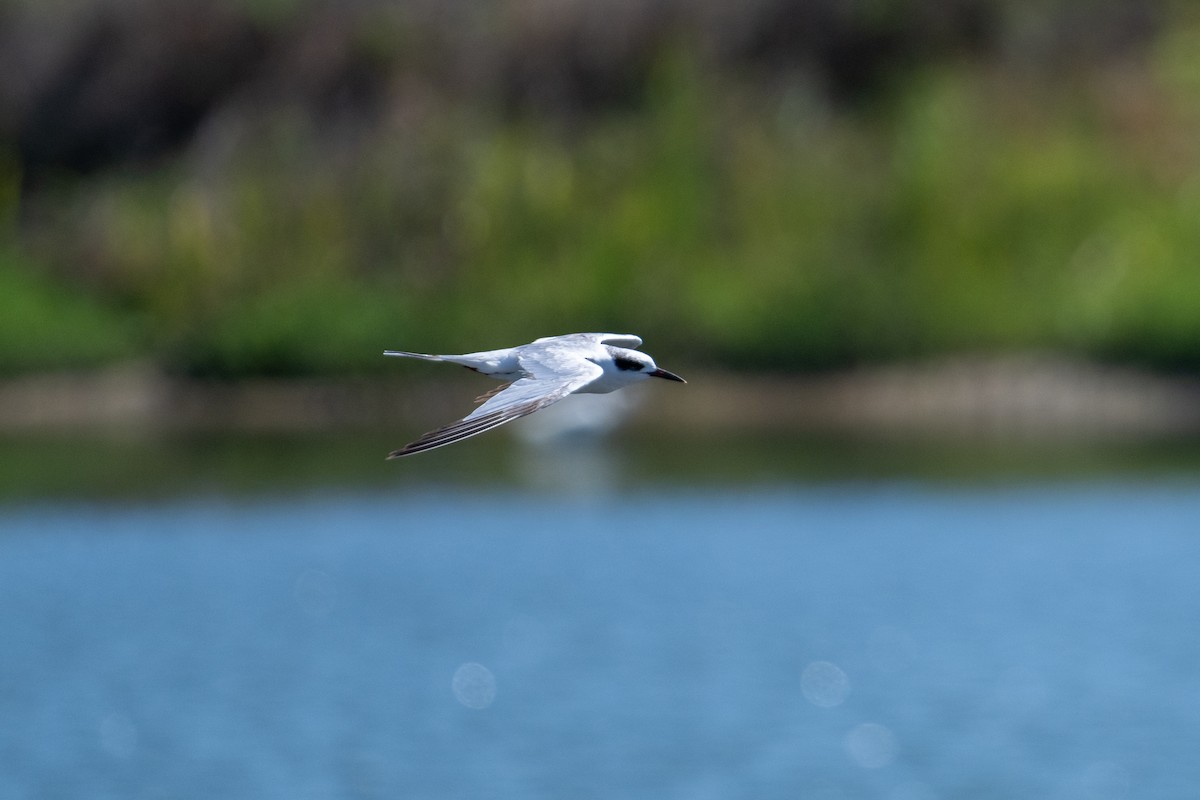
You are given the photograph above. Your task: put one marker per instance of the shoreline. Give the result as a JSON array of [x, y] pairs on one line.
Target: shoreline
[[987, 398]]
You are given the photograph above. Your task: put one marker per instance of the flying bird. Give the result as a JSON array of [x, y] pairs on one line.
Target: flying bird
[[538, 374]]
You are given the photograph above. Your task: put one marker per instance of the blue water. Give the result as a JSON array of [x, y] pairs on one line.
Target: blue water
[[856, 641]]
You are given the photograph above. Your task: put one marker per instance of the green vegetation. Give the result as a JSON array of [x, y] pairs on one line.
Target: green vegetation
[[969, 207], [43, 325]]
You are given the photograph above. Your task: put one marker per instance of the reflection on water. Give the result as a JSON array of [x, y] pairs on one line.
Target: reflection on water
[[847, 639], [124, 467]]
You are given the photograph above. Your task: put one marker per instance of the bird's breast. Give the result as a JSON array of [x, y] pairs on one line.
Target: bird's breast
[[609, 382]]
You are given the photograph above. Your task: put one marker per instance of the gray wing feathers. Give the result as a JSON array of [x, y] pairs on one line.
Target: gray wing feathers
[[470, 426], [621, 340], [547, 384], [615, 339], [513, 403]]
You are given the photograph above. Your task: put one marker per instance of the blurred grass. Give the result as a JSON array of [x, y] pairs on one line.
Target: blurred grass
[[45, 325], [971, 207]]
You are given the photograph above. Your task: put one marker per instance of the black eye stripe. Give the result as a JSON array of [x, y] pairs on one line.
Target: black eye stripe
[[625, 363]]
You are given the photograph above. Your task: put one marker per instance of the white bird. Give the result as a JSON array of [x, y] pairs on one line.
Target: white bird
[[540, 373]]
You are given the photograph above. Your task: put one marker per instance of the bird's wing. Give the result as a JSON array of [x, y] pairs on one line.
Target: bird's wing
[[551, 375], [615, 339]]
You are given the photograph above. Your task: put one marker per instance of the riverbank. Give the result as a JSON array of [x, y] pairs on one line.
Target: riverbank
[[1026, 396]]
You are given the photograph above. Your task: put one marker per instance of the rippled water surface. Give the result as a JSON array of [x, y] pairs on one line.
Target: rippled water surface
[[572, 636]]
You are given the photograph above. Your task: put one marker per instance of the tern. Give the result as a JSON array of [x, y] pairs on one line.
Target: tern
[[538, 374]]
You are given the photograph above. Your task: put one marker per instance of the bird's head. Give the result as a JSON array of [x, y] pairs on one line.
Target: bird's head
[[633, 361]]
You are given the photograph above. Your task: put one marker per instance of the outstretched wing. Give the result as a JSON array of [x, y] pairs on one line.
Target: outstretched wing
[[615, 339], [551, 376]]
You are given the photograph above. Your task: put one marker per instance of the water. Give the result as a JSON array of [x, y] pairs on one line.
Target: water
[[846, 639]]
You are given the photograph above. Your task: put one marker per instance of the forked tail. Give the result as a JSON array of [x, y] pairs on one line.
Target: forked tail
[[406, 354]]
